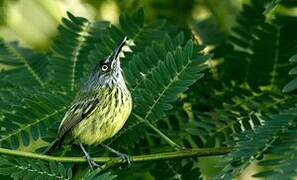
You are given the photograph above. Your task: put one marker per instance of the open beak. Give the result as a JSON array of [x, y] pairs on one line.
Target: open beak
[[117, 50]]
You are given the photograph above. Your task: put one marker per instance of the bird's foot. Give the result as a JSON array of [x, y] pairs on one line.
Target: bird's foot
[[90, 161], [125, 158], [93, 165]]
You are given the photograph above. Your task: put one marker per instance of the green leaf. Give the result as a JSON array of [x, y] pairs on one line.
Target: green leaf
[[252, 145], [47, 108], [70, 50], [293, 58], [25, 67], [282, 164], [292, 85], [257, 51], [19, 168]]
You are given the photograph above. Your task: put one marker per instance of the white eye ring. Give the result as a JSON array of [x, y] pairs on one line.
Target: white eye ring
[[104, 67]]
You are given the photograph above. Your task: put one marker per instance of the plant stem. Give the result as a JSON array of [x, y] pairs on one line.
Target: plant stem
[[117, 160], [162, 135]]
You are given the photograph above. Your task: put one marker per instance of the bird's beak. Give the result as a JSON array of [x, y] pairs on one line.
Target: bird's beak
[[117, 50]]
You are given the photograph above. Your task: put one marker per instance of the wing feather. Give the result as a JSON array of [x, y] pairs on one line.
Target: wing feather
[[81, 108]]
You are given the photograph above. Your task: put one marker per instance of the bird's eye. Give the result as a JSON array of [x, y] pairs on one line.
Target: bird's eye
[[104, 67]]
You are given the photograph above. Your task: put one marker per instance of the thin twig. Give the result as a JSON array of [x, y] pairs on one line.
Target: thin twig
[[162, 135]]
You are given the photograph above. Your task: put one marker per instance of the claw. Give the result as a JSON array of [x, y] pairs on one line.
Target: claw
[[123, 156], [90, 161], [93, 165]]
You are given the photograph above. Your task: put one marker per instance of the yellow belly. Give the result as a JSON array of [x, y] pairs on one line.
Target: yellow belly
[[105, 122]]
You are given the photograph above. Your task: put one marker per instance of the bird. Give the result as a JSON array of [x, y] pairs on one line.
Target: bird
[[99, 109]]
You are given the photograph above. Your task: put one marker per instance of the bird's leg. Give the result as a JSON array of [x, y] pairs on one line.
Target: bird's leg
[[125, 157], [91, 162]]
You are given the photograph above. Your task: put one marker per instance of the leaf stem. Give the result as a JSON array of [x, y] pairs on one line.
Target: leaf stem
[[184, 153], [162, 135]]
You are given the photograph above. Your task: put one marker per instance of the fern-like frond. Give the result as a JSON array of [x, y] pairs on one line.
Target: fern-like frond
[[178, 69], [282, 160], [252, 144], [23, 66], [18, 168], [257, 50], [149, 60], [70, 50], [207, 117], [27, 116], [235, 114]]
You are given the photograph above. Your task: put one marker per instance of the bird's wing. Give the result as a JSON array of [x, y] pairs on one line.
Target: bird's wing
[[83, 106]]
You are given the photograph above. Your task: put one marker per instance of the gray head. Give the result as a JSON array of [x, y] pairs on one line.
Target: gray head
[[108, 72]]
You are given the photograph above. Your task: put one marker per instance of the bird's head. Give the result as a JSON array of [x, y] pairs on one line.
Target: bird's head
[[108, 72]]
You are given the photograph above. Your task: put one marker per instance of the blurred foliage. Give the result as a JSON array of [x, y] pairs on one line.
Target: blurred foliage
[[238, 103], [20, 14]]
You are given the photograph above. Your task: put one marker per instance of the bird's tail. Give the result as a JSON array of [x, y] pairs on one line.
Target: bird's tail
[[52, 146]]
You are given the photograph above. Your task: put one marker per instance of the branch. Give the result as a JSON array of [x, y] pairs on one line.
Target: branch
[[117, 160]]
